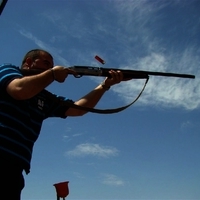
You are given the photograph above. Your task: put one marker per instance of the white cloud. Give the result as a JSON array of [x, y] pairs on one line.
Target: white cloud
[[33, 38], [43, 45], [187, 125], [89, 149], [164, 91], [112, 180]]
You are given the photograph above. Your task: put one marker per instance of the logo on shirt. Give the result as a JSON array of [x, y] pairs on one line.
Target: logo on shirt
[[40, 104]]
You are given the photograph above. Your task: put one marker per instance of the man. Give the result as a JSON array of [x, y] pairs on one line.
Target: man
[[24, 104]]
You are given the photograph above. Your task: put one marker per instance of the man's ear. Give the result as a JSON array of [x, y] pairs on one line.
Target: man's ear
[[29, 62]]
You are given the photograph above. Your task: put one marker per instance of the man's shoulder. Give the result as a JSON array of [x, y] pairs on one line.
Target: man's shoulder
[[8, 66], [8, 72]]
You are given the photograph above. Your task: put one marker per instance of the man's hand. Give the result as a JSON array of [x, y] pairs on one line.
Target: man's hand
[[60, 73], [116, 77]]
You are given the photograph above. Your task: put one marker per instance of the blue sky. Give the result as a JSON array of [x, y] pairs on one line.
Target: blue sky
[[149, 151]]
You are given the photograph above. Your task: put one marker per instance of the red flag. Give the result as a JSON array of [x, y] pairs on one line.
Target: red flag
[[62, 189]]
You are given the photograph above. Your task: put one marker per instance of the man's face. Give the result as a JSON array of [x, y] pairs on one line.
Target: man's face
[[44, 62]]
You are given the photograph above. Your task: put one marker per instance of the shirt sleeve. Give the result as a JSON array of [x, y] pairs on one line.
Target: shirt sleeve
[[57, 105], [8, 72]]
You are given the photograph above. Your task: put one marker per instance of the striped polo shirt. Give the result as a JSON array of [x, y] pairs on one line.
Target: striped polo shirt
[[21, 120]]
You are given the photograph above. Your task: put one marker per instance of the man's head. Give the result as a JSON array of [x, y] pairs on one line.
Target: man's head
[[37, 59]]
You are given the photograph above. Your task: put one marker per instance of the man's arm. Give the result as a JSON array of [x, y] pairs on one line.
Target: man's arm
[[92, 98], [28, 86]]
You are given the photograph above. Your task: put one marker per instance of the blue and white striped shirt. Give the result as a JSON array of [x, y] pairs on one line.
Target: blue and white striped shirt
[[21, 120]]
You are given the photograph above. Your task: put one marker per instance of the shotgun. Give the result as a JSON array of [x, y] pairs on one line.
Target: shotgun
[[104, 72], [134, 74]]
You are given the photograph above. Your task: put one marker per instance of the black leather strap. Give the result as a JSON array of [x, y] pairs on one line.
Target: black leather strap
[[106, 111]]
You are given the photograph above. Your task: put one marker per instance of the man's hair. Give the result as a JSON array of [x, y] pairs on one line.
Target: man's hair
[[34, 54]]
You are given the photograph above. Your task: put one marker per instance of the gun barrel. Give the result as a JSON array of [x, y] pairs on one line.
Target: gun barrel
[[135, 74], [166, 74]]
